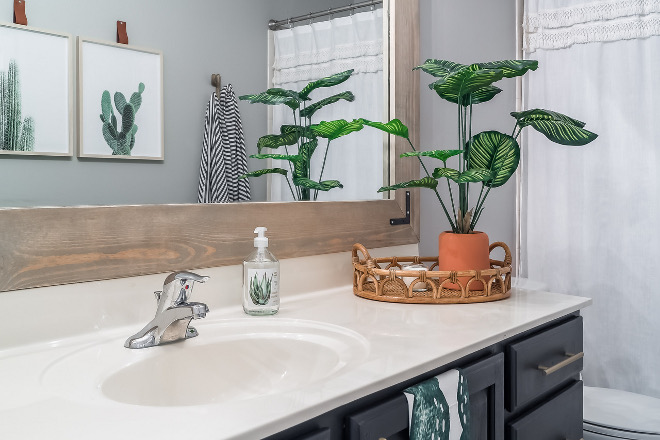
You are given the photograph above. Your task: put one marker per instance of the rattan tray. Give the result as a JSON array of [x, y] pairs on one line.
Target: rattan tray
[[381, 279]]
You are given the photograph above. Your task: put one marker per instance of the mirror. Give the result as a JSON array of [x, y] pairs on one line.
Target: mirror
[[225, 37], [50, 246]]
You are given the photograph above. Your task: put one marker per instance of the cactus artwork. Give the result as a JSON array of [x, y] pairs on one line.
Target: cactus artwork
[[260, 289], [16, 134], [121, 142]]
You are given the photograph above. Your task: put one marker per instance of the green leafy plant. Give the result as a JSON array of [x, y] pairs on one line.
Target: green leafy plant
[[16, 134], [489, 158], [303, 136], [260, 289], [121, 142]]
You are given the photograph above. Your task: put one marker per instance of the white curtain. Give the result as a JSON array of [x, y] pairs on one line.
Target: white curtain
[[591, 214], [310, 52]]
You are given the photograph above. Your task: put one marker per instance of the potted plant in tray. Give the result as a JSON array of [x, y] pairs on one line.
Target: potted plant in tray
[[303, 136], [487, 159]]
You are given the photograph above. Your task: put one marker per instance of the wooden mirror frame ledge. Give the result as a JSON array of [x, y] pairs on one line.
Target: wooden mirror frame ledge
[[50, 246]]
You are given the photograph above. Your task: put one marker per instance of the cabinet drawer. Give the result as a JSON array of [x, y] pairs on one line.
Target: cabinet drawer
[[559, 418], [543, 362]]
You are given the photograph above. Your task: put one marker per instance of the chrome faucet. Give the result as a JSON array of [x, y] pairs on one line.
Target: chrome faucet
[[173, 314]]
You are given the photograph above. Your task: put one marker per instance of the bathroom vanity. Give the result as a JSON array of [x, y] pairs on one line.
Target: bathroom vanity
[[329, 365]]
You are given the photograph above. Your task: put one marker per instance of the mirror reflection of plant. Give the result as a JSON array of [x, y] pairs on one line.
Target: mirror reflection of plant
[[303, 134], [490, 157]]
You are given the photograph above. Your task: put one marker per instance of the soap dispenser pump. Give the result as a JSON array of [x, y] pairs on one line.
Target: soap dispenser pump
[[261, 278]]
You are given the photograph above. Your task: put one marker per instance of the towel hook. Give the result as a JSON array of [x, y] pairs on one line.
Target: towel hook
[[288, 22], [311, 20], [216, 82]]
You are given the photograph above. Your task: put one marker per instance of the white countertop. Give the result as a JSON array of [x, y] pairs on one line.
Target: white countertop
[[400, 342]]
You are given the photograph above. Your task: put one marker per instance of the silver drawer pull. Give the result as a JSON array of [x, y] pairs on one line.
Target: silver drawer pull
[[569, 360]]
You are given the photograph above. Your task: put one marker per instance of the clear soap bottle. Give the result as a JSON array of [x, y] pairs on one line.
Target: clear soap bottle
[[261, 278]]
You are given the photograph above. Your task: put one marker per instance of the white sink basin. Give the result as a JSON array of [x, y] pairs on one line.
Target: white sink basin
[[229, 360]]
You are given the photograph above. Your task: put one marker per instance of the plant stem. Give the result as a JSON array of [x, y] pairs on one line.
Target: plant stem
[[286, 150], [290, 188], [451, 195], [469, 139], [479, 210], [327, 147], [513, 133], [437, 194]]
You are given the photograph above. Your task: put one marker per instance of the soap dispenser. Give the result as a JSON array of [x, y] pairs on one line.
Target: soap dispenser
[[261, 278]]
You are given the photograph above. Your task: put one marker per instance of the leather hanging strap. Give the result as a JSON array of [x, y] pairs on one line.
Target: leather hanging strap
[[19, 12], [122, 37]]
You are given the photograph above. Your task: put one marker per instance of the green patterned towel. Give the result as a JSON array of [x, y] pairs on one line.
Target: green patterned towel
[[439, 408]]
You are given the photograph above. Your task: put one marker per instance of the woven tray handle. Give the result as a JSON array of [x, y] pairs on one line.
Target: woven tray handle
[[507, 253], [365, 253]]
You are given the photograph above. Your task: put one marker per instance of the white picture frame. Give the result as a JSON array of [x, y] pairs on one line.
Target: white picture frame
[[36, 117], [127, 70]]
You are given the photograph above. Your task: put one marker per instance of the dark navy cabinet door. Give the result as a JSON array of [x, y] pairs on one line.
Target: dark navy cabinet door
[[389, 419], [558, 418]]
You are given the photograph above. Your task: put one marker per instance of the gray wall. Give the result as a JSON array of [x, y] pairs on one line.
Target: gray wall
[[198, 38], [467, 31]]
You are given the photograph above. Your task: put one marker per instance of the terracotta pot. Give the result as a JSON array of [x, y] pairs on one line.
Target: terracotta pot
[[463, 252]]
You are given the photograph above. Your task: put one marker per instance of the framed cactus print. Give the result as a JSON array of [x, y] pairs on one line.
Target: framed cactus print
[[120, 101], [36, 92]]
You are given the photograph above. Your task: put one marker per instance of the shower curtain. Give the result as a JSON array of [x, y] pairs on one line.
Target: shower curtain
[[310, 52], [591, 215]]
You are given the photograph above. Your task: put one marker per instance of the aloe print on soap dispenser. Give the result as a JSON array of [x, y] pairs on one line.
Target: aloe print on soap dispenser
[[261, 278]]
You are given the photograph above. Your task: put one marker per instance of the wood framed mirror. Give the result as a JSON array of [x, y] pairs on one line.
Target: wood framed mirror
[[50, 246]]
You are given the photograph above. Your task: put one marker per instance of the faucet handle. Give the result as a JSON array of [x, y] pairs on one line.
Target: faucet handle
[[186, 276], [179, 285]]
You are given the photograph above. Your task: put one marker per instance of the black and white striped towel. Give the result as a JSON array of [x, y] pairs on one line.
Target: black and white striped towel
[[223, 152]]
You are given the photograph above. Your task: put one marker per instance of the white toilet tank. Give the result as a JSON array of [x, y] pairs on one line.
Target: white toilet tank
[[613, 414]]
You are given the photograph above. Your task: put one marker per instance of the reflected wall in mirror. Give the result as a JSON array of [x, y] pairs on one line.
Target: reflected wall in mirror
[[225, 37]]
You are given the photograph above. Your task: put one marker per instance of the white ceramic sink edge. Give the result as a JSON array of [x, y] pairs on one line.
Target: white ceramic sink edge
[[231, 360]]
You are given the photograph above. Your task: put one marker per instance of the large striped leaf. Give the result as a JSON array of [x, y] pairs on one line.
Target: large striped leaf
[[328, 81], [426, 182], [442, 155], [495, 151], [538, 114], [439, 68], [284, 92], [307, 150], [277, 140], [564, 133], [325, 185], [308, 111], [334, 129], [268, 99], [467, 176], [262, 172], [511, 68], [465, 81], [483, 94], [395, 127], [289, 157], [302, 131]]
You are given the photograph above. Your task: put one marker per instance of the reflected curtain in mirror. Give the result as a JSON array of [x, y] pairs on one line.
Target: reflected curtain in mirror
[[307, 53]]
